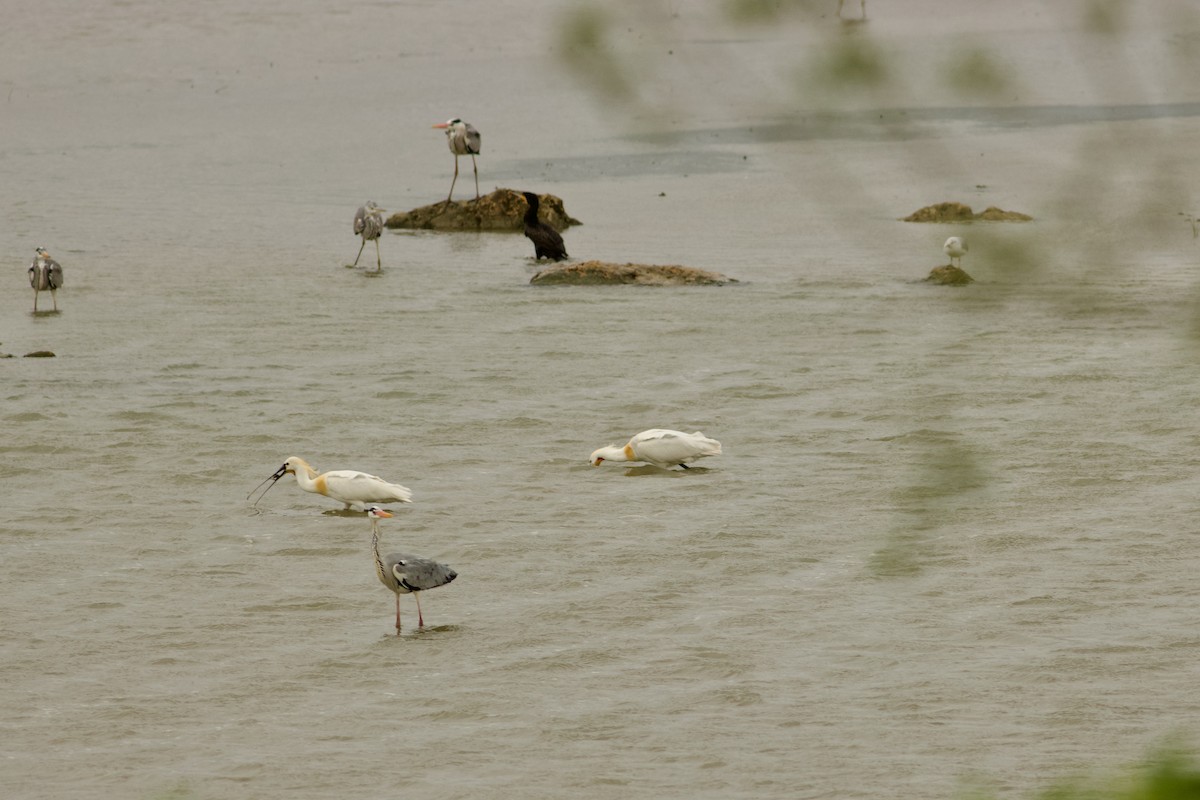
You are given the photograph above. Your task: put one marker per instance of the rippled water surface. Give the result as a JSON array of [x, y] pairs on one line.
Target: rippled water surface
[[951, 538]]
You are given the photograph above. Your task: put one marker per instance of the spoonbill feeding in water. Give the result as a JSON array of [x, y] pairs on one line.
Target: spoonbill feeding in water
[[355, 489], [404, 573], [463, 140], [662, 448], [955, 247]]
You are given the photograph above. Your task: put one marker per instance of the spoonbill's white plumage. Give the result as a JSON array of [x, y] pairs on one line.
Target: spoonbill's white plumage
[[404, 573], [661, 448], [955, 247], [355, 489]]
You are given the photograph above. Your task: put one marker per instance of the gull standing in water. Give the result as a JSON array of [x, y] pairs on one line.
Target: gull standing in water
[[463, 140], [368, 223], [355, 489], [404, 573], [45, 273], [955, 247], [662, 448]]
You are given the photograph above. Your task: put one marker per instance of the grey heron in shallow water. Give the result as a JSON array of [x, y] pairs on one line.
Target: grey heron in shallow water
[[45, 273], [368, 223], [463, 140], [404, 573], [955, 247], [546, 241]]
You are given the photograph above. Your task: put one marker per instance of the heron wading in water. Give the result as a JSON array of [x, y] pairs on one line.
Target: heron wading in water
[[661, 448], [955, 247], [463, 140], [546, 241], [355, 489], [45, 273], [404, 573], [368, 223]]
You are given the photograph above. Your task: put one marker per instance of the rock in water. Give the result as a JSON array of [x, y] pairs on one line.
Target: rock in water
[[591, 273], [949, 275], [502, 210]]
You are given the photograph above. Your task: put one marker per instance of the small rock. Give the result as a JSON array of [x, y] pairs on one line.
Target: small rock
[[40, 354], [603, 272], [949, 275]]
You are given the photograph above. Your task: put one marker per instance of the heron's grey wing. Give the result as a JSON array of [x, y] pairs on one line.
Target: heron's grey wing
[[56, 275], [417, 573], [474, 140], [360, 220]]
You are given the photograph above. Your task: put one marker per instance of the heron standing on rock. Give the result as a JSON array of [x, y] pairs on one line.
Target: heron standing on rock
[[45, 273], [464, 140], [404, 573], [368, 223]]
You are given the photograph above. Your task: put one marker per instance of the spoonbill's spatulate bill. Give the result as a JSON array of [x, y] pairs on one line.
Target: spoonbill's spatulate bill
[[368, 223], [955, 247], [662, 448], [546, 241], [45, 273], [355, 489], [404, 573], [463, 140]]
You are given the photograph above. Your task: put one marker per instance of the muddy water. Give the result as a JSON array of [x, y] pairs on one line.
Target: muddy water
[[950, 538]]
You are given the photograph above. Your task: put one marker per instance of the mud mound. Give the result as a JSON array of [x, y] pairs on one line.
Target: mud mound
[[949, 275], [590, 273], [960, 212], [502, 210]]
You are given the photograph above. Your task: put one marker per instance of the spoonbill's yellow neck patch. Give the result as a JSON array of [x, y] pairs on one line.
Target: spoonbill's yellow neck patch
[[629, 453], [319, 485]]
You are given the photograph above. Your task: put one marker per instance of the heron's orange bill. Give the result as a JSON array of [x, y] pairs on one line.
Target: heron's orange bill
[[441, 125], [382, 513]]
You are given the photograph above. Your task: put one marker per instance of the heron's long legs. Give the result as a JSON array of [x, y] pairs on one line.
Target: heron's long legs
[[378, 260], [453, 181], [356, 258], [476, 166]]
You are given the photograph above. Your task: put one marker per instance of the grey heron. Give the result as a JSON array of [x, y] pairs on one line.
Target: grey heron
[[546, 241], [355, 489], [368, 223], [404, 573], [955, 247], [45, 273], [662, 448], [463, 140]]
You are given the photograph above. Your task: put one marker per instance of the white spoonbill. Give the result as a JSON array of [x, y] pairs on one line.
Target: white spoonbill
[[404, 573], [955, 247], [355, 489], [662, 448]]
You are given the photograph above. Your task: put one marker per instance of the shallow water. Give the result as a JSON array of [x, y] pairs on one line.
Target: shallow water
[[949, 540]]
